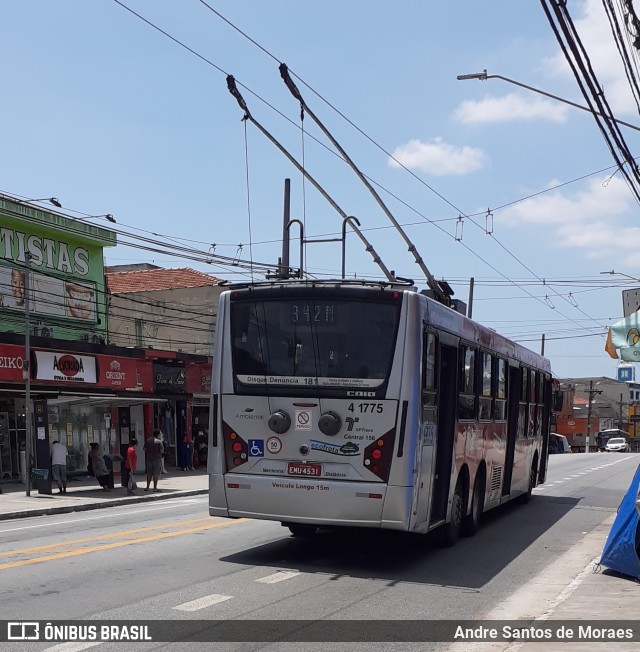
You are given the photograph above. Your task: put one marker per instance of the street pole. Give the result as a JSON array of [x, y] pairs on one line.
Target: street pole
[[26, 371], [586, 448]]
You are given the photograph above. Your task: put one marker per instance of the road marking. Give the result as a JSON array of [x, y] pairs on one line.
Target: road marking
[[115, 535], [174, 503], [563, 596], [201, 603], [278, 577], [119, 544], [70, 647]]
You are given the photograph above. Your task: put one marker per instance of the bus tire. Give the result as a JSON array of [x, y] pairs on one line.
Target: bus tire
[[526, 497], [451, 530], [302, 531], [471, 522]]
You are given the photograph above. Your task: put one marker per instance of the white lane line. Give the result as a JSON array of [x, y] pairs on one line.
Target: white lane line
[[563, 596], [95, 518], [201, 603], [278, 577], [70, 647]]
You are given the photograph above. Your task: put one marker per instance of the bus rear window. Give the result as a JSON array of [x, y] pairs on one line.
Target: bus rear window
[[302, 342]]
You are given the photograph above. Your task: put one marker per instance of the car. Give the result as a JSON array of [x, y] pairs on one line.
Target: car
[[558, 443], [617, 445]]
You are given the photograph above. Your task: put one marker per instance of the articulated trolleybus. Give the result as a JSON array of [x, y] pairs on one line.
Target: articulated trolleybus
[[369, 404]]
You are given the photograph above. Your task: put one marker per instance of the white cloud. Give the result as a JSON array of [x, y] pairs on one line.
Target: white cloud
[[437, 157], [509, 107], [590, 220]]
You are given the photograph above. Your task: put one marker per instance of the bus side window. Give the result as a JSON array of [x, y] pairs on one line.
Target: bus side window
[[486, 367], [467, 395], [429, 370], [500, 380], [523, 410]]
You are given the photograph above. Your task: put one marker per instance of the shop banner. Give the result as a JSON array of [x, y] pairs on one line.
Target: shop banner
[[125, 374], [169, 378], [11, 362], [198, 377], [65, 367]]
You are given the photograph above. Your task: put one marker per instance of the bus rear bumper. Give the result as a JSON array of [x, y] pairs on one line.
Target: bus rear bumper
[[303, 500]]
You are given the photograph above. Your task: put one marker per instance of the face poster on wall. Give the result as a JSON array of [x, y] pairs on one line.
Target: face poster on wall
[[49, 295]]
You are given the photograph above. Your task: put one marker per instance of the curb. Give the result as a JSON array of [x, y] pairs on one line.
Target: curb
[[118, 502]]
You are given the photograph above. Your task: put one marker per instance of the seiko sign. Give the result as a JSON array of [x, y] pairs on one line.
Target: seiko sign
[[65, 367], [11, 363]]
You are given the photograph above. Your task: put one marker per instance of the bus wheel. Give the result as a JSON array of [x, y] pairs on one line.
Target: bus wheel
[[526, 497], [302, 530], [451, 530], [471, 523]]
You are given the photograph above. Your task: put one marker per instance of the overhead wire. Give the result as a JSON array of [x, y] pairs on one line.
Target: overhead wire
[[272, 56]]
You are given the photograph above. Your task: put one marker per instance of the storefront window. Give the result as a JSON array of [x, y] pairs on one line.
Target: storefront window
[[76, 423]]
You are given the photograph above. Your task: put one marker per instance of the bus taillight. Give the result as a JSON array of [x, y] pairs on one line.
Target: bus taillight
[[235, 448], [377, 455]]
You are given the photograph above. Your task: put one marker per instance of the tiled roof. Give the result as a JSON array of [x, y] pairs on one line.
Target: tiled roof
[[158, 279]]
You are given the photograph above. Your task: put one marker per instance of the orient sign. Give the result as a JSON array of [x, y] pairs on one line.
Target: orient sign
[[65, 367]]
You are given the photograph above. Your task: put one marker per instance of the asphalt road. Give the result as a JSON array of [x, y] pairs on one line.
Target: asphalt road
[[171, 561]]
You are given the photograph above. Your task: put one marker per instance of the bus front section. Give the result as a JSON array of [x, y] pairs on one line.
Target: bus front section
[[307, 417]]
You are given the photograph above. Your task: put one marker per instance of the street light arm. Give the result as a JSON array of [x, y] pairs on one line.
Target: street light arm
[[614, 273], [483, 76]]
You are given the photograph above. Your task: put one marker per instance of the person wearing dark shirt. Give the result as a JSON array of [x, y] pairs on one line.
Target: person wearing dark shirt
[[154, 450]]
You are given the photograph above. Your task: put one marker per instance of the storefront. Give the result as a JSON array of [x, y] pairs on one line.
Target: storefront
[[94, 393], [83, 393], [199, 387]]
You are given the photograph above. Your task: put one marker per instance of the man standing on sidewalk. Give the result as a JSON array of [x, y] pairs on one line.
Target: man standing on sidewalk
[[59, 454], [154, 450]]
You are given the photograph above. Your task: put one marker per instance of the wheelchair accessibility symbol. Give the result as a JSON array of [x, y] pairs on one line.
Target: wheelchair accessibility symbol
[[256, 448]]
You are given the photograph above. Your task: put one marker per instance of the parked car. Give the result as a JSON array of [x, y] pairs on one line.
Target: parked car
[[558, 443], [617, 444]]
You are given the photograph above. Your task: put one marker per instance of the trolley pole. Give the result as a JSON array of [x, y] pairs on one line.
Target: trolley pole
[[26, 371]]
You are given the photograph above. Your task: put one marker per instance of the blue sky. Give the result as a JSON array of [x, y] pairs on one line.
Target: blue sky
[[110, 116]]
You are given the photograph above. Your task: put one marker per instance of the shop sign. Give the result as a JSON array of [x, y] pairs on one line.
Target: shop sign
[[11, 362], [124, 374], [198, 377], [65, 367], [169, 378]]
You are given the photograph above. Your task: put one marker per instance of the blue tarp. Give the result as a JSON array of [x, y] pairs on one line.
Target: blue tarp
[[620, 551]]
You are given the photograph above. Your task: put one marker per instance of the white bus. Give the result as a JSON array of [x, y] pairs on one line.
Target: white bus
[[369, 404]]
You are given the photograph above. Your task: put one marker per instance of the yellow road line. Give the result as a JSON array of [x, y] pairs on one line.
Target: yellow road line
[[118, 544], [105, 536]]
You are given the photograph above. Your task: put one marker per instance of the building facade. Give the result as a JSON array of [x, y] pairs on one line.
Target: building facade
[[598, 403], [85, 385]]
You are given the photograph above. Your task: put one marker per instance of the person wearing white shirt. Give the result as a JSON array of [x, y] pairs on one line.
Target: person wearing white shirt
[[59, 454]]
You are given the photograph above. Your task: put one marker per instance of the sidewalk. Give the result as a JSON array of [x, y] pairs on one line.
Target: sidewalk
[[573, 591], [84, 493]]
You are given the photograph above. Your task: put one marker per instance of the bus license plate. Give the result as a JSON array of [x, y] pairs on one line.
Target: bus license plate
[[305, 470]]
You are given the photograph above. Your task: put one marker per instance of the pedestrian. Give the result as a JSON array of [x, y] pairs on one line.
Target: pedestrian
[[154, 450], [163, 468], [59, 454], [100, 470], [129, 467]]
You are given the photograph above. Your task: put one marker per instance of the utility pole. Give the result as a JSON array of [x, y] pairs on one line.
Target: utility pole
[[620, 421], [26, 371], [592, 393]]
